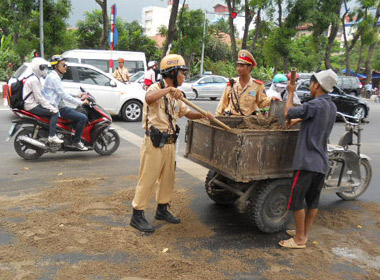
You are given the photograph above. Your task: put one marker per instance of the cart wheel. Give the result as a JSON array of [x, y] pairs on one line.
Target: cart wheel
[[216, 193], [366, 176], [267, 207]]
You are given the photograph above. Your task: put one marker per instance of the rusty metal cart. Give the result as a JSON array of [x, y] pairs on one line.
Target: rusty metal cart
[[250, 166]]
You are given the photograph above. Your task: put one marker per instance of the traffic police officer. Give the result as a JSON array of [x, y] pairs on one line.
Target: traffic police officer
[[162, 108], [121, 72], [243, 95]]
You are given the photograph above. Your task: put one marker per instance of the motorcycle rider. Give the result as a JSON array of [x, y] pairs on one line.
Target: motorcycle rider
[[53, 91], [35, 102], [278, 88], [150, 74]]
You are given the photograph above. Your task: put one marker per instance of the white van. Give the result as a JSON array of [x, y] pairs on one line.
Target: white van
[[134, 61]]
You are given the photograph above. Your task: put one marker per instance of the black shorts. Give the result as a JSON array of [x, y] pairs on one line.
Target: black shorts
[[307, 186]]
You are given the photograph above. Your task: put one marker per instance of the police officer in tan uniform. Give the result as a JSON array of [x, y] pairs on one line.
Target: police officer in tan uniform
[[243, 95], [162, 109], [121, 73]]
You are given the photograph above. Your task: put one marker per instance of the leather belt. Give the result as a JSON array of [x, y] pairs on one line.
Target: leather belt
[[170, 140]]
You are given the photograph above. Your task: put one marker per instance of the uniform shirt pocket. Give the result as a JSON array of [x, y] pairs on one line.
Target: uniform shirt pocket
[[249, 99]]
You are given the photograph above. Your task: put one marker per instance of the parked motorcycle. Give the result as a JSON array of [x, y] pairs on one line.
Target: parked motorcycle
[[32, 131], [349, 172]]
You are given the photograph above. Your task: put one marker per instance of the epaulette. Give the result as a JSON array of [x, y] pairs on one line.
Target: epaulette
[[258, 81]]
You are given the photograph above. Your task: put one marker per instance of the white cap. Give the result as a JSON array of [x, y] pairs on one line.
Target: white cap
[[151, 64], [327, 79]]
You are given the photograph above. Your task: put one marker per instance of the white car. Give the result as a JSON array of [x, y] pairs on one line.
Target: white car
[[138, 78], [125, 100], [210, 86]]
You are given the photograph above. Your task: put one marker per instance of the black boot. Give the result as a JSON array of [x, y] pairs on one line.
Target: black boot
[[138, 221], [162, 213]]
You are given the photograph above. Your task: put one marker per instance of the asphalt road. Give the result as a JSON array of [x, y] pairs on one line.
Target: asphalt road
[[233, 230]]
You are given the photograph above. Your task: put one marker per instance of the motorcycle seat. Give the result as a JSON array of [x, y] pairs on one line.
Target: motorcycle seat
[[42, 118], [335, 148]]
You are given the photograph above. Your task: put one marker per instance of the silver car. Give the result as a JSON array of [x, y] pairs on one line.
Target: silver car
[[204, 86]]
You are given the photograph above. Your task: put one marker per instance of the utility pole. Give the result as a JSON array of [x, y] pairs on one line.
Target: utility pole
[[203, 43], [42, 28]]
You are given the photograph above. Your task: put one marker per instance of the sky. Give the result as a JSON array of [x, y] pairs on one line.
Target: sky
[[130, 10]]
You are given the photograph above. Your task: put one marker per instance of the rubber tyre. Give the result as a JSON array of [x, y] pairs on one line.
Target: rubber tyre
[[132, 111], [193, 97], [104, 140], [267, 206], [363, 187], [22, 148], [359, 111], [213, 98], [218, 194]]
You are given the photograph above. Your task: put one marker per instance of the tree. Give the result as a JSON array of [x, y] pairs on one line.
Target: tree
[[104, 37], [221, 26], [248, 16], [132, 38], [90, 30], [231, 4], [260, 5], [20, 19], [55, 27], [171, 27], [372, 47], [7, 55]]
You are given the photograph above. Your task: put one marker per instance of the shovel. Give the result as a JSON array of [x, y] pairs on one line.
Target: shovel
[[203, 112]]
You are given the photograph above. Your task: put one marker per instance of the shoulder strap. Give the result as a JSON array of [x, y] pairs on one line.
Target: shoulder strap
[[237, 105], [30, 93], [168, 113], [121, 75]]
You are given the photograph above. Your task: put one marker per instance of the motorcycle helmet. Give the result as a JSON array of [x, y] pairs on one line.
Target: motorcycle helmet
[[39, 67], [280, 78], [55, 59], [170, 65]]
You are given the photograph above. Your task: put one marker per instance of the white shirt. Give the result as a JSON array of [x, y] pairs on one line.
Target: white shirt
[[33, 85], [150, 75], [53, 91]]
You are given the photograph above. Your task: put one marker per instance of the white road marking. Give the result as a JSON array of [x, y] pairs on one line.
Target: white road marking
[[184, 164]]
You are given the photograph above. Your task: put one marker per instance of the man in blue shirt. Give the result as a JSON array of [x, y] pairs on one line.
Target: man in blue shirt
[[310, 163], [53, 91]]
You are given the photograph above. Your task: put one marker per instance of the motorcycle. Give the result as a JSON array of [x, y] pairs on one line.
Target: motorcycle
[[350, 172], [32, 131]]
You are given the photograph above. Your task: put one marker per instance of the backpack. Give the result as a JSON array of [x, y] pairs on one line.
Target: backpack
[[15, 100]]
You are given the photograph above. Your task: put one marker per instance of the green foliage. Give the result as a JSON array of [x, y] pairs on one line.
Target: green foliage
[[132, 38], [7, 55], [303, 55], [89, 30], [189, 35], [20, 19], [216, 49], [263, 73], [223, 68]]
